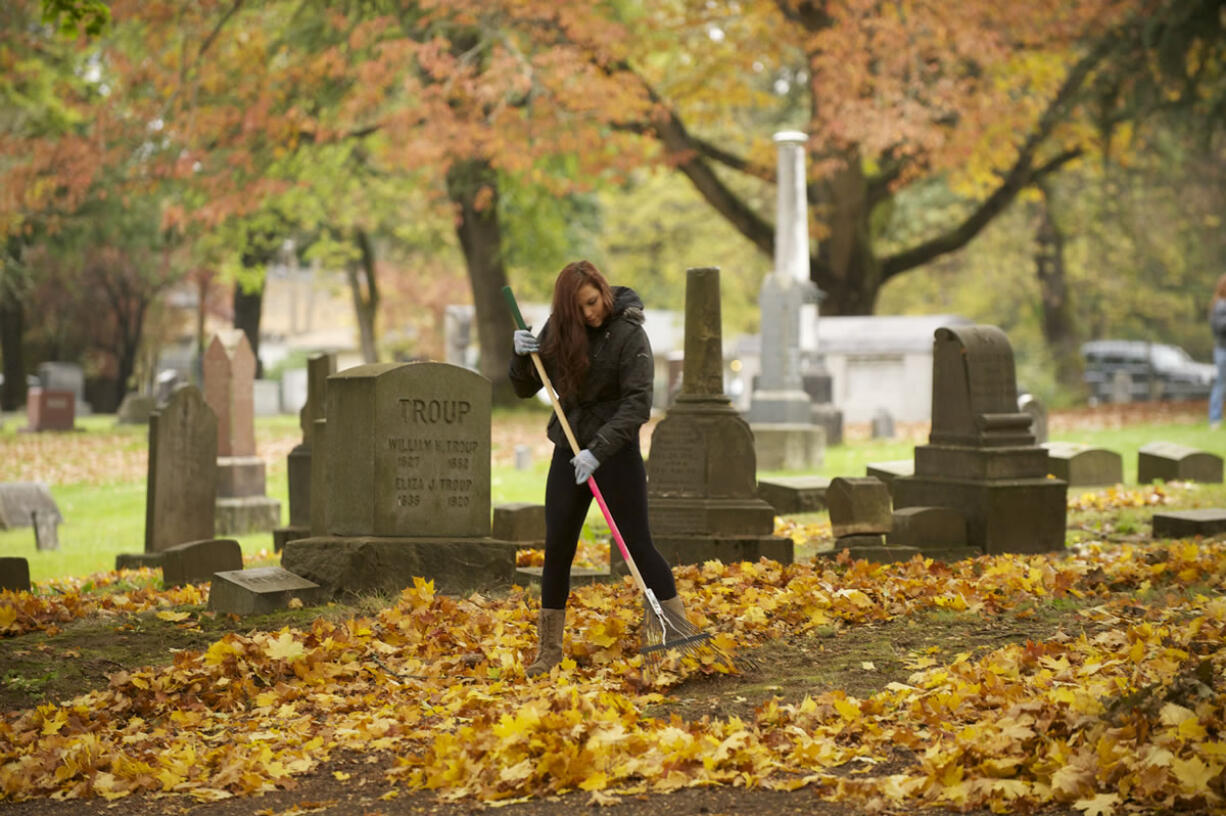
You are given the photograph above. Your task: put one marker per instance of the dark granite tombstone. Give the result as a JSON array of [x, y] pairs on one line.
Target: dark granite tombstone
[[981, 459], [1189, 523], [181, 490], [261, 590], [14, 574], [299, 462], [702, 499], [194, 562], [407, 448], [1083, 465], [1172, 462], [229, 383]]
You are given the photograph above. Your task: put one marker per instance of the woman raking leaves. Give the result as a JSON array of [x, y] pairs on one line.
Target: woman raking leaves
[[594, 350]]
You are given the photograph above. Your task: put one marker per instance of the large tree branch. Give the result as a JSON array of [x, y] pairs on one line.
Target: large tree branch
[[1019, 176]]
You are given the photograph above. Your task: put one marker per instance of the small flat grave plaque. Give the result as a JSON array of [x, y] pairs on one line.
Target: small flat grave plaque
[[260, 590], [1188, 523]]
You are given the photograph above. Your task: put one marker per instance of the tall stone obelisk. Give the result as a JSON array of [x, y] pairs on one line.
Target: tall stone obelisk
[[780, 411], [702, 496]]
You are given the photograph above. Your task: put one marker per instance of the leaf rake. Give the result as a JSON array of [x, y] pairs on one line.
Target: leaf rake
[[668, 634]]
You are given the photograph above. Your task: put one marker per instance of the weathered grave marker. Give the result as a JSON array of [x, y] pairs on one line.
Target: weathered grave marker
[[50, 410], [890, 470], [1173, 462], [781, 411], [182, 486], [521, 522], [701, 496], [981, 459], [299, 462], [794, 494], [883, 424], [938, 533], [1083, 465], [14, 574], [407, 449], [261, 590], [229, 377], [195, 562]]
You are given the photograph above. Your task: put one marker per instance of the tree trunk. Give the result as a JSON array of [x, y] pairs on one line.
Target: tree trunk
[[365, 304], [1058, 325], [248, 308], [12, 334], [131, 329], [845, 267], [472, 186]]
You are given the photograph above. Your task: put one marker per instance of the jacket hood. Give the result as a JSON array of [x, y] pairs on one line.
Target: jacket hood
[[627, 304]]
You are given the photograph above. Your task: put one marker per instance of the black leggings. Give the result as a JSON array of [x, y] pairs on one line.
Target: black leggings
[[623, 483]]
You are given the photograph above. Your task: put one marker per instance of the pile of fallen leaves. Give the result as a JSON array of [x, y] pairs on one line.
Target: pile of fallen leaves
[[1119, 497], [1130, 717], [64, 600], [588, 555]]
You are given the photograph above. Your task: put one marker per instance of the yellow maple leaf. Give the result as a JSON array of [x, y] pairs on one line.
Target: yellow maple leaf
[[1102, 804], [172, 616], [1193, 774], [284, 648], [595, 782], [8, 616]]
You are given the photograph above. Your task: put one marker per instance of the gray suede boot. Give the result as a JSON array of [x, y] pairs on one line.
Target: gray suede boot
[[549, 630]]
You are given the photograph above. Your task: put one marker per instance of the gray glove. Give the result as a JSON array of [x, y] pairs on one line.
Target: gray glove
[[526, 342], [585, 465]]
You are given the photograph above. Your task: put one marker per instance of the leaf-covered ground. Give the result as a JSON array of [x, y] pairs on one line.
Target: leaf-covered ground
[[1090, 682]]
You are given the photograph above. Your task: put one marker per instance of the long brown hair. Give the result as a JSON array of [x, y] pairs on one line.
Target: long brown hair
[[567, 341]]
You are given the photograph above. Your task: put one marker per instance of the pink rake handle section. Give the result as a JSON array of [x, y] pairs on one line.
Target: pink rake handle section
[[608, 517]]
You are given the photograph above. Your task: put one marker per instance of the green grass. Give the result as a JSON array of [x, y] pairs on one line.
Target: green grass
[[101, 522]]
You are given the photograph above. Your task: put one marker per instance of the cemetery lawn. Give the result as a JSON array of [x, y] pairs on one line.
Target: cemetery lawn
[[852, 660]]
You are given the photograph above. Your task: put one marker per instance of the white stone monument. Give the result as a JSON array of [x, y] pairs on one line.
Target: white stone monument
[[780, 411]]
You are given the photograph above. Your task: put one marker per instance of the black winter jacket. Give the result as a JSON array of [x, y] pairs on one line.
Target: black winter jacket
[[1217, 321], [615, 398]]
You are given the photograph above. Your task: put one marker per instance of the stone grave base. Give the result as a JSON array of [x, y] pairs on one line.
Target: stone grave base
[[283, 535], [732, 517], [195, 562], [579, 576], [678, 549], [788, 446], [1188, 523], [250, 514], [950, 555], [1002, 516], [794, 494], [368, 564], [240, 476], [135, 561]]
